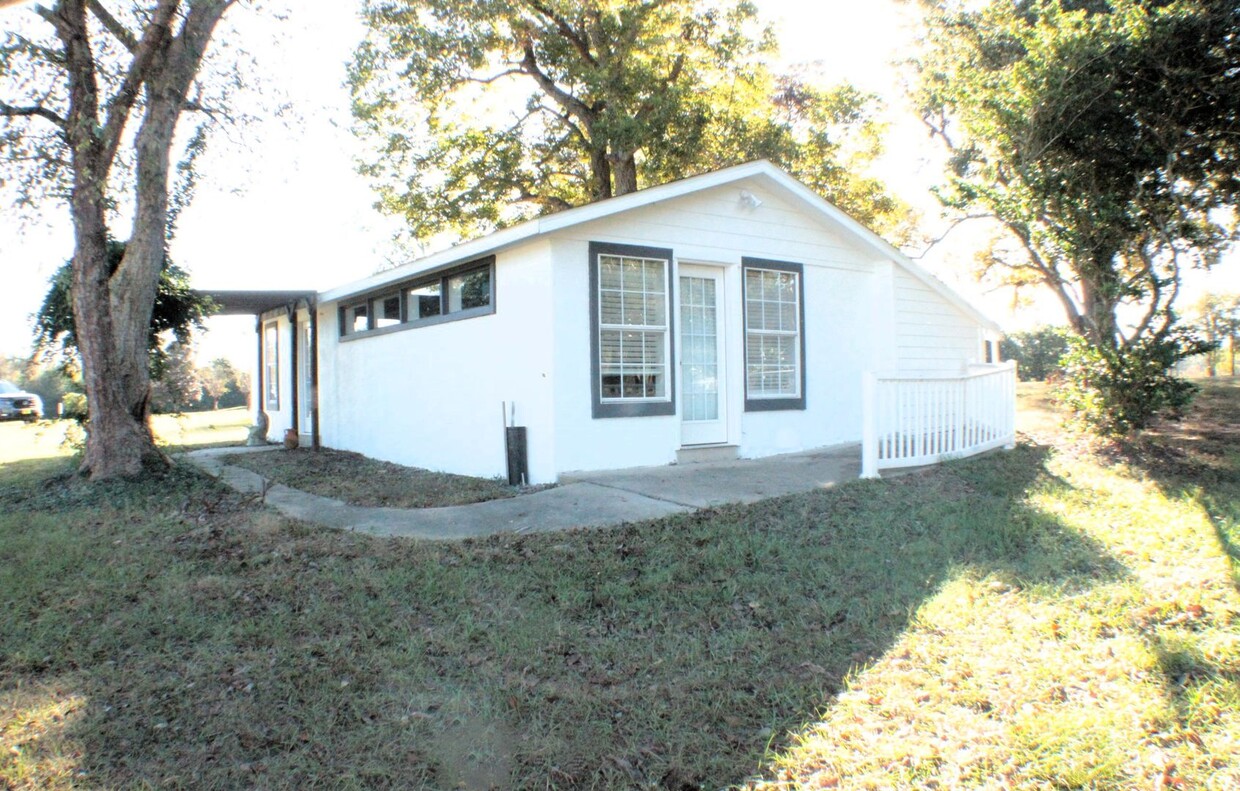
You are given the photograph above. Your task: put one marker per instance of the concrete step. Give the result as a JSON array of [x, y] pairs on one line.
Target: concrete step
[[697, 454]]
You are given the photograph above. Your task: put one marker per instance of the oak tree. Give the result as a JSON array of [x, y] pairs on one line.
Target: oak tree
[[484, 113], [1104, 137]]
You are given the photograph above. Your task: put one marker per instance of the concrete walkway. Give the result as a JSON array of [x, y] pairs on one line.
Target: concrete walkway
[[583, 500]]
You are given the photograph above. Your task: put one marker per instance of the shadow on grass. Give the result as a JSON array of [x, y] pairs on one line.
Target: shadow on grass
[[1197, 459], [209, 644]]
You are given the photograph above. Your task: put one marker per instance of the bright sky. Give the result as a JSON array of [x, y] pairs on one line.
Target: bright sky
[[288, 210]]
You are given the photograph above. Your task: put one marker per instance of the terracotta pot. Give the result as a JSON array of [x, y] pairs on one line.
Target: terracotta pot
[[290, 439]]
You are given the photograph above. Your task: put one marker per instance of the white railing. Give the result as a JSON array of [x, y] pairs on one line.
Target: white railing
[[910, 421]]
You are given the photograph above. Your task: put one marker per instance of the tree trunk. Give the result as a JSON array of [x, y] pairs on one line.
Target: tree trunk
[[624, 172], [1099, 315], [600, 174], [112, 310], [118, 438]]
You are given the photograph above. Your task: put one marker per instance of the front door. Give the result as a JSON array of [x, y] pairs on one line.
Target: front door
[[703, 411]]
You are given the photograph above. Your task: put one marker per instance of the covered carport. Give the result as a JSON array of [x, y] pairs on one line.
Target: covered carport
[[265, 303]]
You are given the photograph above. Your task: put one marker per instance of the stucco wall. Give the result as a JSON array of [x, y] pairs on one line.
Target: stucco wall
[[431, 396]]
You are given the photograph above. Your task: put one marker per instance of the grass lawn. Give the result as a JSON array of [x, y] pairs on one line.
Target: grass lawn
[[53, 439], [1051, 617], [359, 480]]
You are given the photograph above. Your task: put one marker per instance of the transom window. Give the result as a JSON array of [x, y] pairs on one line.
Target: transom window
[[424, 301], [356, 318], [387, 310], [457, 294], [631, 319], [774, 335]]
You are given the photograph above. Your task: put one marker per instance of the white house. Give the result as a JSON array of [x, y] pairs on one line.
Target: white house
[[735, 311]]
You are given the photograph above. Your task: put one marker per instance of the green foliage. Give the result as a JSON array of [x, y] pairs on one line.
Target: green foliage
[[178, 387], [1102, 137], [1036, 352], [1116, 391], [487, 113], [177, 311], [75, 407], [1217, 318], [223, 385]]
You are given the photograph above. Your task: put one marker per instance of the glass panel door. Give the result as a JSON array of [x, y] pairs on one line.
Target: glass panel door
[[702, 410]]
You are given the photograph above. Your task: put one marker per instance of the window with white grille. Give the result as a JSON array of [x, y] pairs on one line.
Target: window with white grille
[[774, 336], [632, 327]]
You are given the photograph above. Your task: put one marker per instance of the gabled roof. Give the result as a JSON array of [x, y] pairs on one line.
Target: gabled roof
[[763, 169]]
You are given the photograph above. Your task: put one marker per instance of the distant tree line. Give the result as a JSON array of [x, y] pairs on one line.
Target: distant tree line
[[181, 387], [1215, 317]]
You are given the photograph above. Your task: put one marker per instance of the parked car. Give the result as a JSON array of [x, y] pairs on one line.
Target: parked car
[[16, 404]]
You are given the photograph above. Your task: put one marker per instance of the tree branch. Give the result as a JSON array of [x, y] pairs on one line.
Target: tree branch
[[1147, 271], [549, 201], [9, 111], [579, 42], [565, 99], [194, 106], [954, 224], [112, 25], [494, 77], [153, 44], [1050, 275], [673, 74], [567, 121]]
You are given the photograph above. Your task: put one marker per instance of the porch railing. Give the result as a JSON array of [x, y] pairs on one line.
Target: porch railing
[[910, 421]]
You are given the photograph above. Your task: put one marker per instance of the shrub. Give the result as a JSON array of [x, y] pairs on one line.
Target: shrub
[[1037, 352], [74, 407], [1114, 391]]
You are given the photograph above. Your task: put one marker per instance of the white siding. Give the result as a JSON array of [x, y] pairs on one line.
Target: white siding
[[933, 337], [713, 227], [282, 418], [431, 396]]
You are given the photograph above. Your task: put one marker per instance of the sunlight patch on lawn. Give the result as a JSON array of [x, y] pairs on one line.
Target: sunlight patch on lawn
[[1005, 682], [203, 429], [36, 750], [31, 441]]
